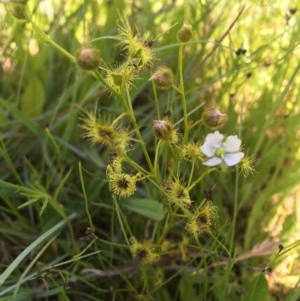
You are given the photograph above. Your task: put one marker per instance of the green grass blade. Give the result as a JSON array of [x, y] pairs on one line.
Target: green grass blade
[[44, 237]]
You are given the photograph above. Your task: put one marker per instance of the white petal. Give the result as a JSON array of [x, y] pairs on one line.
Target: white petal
[[208, 150], [231, 159], [232, 144], [212, 142], [213, 161], [214, 139]]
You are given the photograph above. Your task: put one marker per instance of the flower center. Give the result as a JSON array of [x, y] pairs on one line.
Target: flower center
[[219, 152]]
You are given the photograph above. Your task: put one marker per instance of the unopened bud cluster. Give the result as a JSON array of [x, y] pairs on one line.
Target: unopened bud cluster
[[88, 58], [165, 130], [213, 118], [18, 9], [163, 78], [185, 33]]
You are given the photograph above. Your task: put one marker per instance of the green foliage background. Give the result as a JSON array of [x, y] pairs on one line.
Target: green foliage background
[[53, 183]]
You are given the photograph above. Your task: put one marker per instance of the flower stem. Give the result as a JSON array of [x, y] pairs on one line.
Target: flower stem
[[136, 166], [156, 156], [120, 220], [182, 93], [191, 173], [208, 171], [48, 40], [138, 133], [235, 213], [156, 101]]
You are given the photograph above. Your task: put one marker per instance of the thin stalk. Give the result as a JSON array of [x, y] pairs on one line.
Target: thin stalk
[[72, 58], [191, 173], [235, 212], [166, 227], [138, 133], [138, 167], [156, 101], [208, 171], [87, 210], [118, 118], [182, 93], [218, 43], [156, 156], [48, 40], [120, 220], [235, 205]]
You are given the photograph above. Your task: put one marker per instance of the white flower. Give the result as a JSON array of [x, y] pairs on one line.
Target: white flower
[[219, 150]]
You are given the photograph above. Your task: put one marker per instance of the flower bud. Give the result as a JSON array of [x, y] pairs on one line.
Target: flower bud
[[88, 58], [213, 118], [185, 33], [19, 10], [163, 78], [165, 130]]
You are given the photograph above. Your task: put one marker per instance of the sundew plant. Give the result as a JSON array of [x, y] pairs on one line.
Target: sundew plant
[[149, 150]]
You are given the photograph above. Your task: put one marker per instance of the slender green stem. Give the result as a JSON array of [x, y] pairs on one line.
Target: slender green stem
[[190, 113], [198, 122], [118, 118], [235, 212], [208, 171], [166, 227], [176, 89], [85, 197], [235, 205], [95, 74], [120, 220], [83, 20], [48, 40], [191, 173], [138, 133], [139, 168], [156, 156], [182, 93], [219, 242], [156, 101], [173, 152]]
